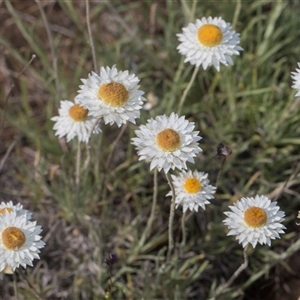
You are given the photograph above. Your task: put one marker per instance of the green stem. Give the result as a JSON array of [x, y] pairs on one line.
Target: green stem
[[15, 286], [78, 159], [183, 228], [152, 214], [77, 176], [241, 268], [187, 89], [220, 171], [171, 218], [32, 288]]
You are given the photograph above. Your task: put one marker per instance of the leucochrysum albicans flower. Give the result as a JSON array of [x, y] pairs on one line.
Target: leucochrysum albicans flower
[[73, 120], [209, 42], [296, 80], [255, 220], [20, 239], [7, 207], [192, 190], [167, 142], [112, 95]]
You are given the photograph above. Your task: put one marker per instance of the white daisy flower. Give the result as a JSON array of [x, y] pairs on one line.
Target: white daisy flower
[[113, 95], [209, 41], [73, 121], [296, 80], [167, 142], [192, 190], [19, 242], [8, 207], [255, 220]]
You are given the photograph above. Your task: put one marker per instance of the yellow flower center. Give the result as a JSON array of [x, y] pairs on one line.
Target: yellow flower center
[[192, 185], [168, 140], [210, 35], [255, 217], [5, 210], [78, 113], [113, 93], [13, 238]]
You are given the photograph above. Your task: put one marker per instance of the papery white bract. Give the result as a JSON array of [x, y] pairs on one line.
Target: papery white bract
[[112, 95], [73, 121], [8, 207], [209, 41], [296, 80], [20, 241], [192, 190], [167, 142], [255, 220]]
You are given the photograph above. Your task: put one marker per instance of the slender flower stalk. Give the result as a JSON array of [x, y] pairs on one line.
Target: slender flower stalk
[[183, 229], [187, 89], [30, 285], [235, 275], [152, 213], [222, 152], [171, 218], [78, 162]]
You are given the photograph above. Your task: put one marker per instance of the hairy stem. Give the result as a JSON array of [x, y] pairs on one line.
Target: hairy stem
[[171, 218], [152, 214], [241, 268]]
